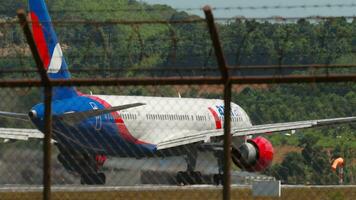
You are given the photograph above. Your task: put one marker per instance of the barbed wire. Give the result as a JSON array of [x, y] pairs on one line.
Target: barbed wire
[[184, 21], [285, 19], [138, 52], [263, 7], [183, 68]]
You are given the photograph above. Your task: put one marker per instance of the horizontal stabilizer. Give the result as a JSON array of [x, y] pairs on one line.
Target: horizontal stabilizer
[[76, 117], [20, 134], [18, 116]]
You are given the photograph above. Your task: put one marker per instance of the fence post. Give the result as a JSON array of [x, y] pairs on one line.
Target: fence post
[[227, 100], [24, 22]]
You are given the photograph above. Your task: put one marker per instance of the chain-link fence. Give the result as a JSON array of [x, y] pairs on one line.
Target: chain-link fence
[[151, 101]]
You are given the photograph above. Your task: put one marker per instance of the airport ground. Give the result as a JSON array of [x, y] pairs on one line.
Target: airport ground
[[178, 192]]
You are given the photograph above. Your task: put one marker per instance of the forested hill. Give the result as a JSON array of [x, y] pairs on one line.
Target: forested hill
[[245, 42]]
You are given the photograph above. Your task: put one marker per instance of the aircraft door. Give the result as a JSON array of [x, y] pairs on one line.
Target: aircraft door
[[97, 118]]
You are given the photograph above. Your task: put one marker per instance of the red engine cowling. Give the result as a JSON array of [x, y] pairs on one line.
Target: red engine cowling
[[254, 155]]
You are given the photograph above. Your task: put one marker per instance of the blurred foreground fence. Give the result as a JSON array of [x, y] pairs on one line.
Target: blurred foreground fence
[[125, 171]]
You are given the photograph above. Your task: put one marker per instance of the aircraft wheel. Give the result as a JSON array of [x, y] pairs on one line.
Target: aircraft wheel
[[181, 179], [93, 179], [197, 177], [218, 179], [189, 178]]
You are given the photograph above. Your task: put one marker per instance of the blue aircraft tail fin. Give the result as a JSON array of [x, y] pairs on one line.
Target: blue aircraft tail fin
[[49, 48]]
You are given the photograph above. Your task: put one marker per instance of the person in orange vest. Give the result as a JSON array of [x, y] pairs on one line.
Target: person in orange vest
[[339, 163]]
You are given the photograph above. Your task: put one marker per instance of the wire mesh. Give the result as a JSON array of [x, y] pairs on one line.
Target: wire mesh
[[133, 146]]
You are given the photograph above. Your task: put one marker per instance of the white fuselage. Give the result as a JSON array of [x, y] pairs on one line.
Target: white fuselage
[[162, 118]]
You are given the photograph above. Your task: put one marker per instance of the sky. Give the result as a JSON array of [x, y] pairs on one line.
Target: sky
[[299, 12]]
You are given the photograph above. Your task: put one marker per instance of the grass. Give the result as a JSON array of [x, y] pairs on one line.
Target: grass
[[312, 193]]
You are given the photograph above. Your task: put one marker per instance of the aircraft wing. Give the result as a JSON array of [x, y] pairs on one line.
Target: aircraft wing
[[19, 134], [204, 136]]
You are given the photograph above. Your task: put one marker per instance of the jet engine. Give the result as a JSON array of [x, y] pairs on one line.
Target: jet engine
[[254, 155]]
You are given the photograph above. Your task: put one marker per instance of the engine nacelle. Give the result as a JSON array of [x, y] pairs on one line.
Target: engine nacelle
[[254, 155]]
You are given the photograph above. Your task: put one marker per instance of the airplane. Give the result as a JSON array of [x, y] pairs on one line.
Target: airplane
[[88, 128]]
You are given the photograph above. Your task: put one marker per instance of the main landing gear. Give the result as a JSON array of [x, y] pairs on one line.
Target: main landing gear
[[190, 177], [93, 179], [218, 178], [86, 165]]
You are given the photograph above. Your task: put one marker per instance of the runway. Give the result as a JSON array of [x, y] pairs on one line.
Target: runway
[[197, 192], [81, 188]]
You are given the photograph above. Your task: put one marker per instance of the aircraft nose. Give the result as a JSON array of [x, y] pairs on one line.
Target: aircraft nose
[[32, 114]]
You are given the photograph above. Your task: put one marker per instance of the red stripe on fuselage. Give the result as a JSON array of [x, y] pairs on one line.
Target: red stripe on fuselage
[[216, 117], [119, 122], [40, 40]]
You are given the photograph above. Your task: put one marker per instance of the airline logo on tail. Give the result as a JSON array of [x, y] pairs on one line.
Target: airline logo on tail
[[49, 48], [56, 60]]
